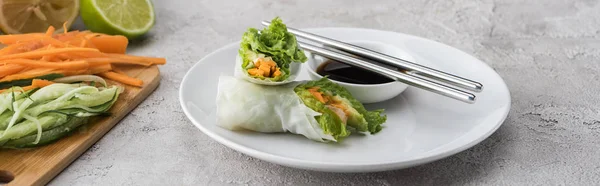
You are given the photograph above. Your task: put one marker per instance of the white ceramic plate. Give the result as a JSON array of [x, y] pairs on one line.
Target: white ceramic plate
[[421, 127]]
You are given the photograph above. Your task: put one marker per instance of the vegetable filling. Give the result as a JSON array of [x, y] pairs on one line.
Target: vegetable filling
[[334, 103], [265, 67], [337, 105]]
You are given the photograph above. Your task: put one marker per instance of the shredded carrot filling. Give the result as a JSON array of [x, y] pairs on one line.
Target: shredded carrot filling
[[327, 100], [315, 92], [265, 67]]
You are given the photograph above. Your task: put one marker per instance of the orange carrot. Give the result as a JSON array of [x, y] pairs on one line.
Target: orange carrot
[[20, 47], [65, 29], [27, 56], [153, 60], [12, 39], [6, 70], [99, 69], [72, 65], [46, 58], [39, 54], [315, 92], [83, 43], [37, 70], [40, 83], [64, 57], [30, 74], [110, 44], [121, 78], [93, 61], [45, 40], [50, 31], [67, 36], [83, 55], [52, 41]]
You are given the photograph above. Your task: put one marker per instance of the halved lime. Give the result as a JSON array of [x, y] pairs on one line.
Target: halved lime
[[131, 18], [26, 16]]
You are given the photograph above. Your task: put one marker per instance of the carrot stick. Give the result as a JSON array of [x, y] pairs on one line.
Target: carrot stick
[[83, 43], [110, 44], [30, 74], [40, 83], [45, 58], [41, 53], [99, 69], [122, 78], [73, 65], [153, 60], [50, 31], [21, 47], [6, 70], [36, 70], [45, 40], [88, 43], [52, 41], [64, 57], [94, 61], [65, 30], [83, 55], [12, 39], [14, 48]]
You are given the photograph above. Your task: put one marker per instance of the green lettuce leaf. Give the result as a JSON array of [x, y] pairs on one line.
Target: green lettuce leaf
[[362, 120], [275, 42]]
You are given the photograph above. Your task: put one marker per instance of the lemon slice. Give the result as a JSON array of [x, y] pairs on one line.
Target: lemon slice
[[27, 16]]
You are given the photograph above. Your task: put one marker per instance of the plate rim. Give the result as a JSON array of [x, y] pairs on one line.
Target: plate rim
[[425, 157]]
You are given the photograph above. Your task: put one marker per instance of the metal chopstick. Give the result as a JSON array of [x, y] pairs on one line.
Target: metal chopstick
[[396, 62], [393, 74]]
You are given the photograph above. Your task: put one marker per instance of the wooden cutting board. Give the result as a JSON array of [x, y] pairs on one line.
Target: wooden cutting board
[[38, 166]]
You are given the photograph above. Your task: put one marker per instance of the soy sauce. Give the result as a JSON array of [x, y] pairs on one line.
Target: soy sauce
[[349, 74]]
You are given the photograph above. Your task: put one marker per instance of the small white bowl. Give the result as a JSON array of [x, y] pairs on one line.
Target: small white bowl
[[366, 93]]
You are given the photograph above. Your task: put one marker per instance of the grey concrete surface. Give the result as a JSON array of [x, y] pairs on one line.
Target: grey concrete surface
[[547, 51]]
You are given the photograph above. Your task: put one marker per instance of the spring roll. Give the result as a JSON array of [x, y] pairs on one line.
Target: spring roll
[[319, 110], [269, 57]]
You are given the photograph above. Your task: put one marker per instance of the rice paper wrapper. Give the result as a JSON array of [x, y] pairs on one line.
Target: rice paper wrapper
[[242, 105], [239, 73]]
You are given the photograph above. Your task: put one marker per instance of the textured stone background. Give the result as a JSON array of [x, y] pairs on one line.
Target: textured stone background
[[548, 52]]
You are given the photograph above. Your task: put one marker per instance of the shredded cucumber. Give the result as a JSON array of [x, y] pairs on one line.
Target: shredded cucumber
[[34, 113], [81, 78], [83, 102], [28, 127], [48, 136], [38, 124], [4, 119], [47, 93]]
